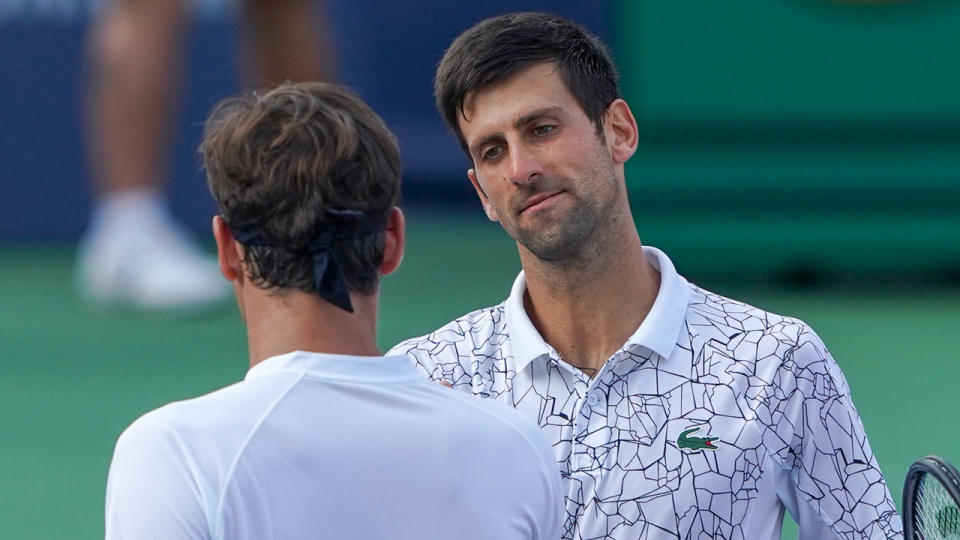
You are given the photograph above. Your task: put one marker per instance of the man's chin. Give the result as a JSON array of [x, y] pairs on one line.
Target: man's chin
[[552, 250]]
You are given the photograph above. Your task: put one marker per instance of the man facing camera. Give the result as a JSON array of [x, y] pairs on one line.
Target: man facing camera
[[673, 412], [324, 437]]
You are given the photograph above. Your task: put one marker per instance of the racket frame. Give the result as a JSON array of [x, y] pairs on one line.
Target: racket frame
[[945, 473]]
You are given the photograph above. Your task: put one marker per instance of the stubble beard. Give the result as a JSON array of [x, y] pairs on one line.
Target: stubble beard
[[564, 240], [573, 239]]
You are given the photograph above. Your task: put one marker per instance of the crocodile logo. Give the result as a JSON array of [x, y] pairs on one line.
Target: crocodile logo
[[695, 444]]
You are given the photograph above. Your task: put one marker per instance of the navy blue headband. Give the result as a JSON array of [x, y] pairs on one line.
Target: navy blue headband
[[328, 277]]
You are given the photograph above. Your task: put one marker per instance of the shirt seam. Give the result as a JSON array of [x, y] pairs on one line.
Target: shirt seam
[[192, 467], [218, 518]]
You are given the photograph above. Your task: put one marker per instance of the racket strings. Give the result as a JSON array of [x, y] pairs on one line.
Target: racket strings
[[937, 515]]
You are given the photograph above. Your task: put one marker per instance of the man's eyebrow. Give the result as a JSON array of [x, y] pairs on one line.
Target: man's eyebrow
[[536, 115], [532, 116]]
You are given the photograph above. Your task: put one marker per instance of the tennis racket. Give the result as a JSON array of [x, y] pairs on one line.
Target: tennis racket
[[931, 501]]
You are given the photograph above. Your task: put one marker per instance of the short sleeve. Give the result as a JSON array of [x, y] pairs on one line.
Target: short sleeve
[[151, 492], [831, 482], [429, 356]]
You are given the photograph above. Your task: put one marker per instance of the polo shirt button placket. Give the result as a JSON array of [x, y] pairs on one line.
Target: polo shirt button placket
[[593, 400], [579, 459]]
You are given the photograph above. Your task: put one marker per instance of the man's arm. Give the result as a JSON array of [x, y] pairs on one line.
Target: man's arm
[[151, 492], [830, 481]]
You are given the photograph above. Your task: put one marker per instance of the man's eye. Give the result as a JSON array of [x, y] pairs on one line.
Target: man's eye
[[491, 153], [543, 130]]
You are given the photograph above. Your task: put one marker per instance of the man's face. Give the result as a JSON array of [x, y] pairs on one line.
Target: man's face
[[540, 167]]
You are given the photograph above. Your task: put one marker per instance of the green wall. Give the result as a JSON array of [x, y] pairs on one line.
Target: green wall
[[812, 134]]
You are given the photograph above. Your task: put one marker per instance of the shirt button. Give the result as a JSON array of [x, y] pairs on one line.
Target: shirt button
[[593, 400]]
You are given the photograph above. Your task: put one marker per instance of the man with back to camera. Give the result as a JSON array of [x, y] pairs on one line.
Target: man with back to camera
[[673, 412], [324, 437]]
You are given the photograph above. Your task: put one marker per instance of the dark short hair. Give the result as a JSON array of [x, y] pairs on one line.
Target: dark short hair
[[496, 48], [280, 161]]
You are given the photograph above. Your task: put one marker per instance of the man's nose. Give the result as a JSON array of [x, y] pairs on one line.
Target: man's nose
[[524, 165]]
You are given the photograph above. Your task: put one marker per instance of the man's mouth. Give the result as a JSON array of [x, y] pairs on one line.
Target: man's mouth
[[538, 200]]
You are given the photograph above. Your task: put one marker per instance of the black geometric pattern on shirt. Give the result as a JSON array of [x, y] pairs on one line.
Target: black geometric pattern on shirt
[[765, 384]]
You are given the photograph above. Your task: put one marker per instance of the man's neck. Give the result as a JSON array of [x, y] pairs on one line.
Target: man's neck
[[587, 311], [297, 321]]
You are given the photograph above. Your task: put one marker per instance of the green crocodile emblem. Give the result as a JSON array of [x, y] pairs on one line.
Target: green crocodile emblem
[[695, 443]]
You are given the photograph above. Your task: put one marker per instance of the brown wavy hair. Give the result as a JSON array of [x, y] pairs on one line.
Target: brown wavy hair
[[277, 161]]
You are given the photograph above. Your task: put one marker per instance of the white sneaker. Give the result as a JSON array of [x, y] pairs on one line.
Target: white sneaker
[[134, 254]]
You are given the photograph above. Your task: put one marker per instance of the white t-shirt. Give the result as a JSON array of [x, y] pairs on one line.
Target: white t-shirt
[[327, 446], [711, 419]]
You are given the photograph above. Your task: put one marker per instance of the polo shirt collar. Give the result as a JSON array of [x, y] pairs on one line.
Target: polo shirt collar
[[659, 331], [525, 341], [339, 367]]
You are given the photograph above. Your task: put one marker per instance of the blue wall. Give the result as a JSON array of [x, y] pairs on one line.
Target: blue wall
[[385, 52]]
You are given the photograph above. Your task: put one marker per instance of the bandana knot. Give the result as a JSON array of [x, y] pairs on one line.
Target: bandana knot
[[328, 278]]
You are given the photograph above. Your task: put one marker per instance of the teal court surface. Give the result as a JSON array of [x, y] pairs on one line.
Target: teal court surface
[[73, 377]]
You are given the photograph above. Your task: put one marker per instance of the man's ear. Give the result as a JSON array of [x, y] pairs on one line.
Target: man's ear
[[487, 207], [621, 131], [230, 253], [394, 238]]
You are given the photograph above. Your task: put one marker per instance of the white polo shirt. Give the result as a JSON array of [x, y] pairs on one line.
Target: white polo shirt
[[710, 419], [324, 446]]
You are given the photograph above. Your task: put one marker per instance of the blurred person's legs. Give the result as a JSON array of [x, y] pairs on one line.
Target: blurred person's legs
[[133, 251], [287, 40]]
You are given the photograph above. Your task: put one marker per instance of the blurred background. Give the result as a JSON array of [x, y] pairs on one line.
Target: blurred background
[[800, 155]]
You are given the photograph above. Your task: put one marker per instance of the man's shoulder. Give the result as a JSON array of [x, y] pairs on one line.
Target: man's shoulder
[[732, 332], [167, 469], [220, 419], [776, 351], [470, 332], [720, 318]]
